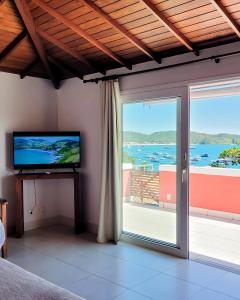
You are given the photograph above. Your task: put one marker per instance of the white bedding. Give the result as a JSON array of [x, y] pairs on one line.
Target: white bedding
[[18, 284], [2, 234]]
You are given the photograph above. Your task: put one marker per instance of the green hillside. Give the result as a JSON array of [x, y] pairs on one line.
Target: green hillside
[[169, 137]]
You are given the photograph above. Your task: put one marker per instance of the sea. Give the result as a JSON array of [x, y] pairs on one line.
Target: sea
[[32, 156], [154, 155]]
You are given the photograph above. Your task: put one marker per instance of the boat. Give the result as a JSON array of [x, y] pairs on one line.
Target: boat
[[204, 155], [153, 159], [223, 161], [162, 158], [167, 156], [196, 158]]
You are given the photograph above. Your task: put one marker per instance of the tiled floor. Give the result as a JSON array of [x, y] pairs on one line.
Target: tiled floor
[[121, 272], [214, 237]]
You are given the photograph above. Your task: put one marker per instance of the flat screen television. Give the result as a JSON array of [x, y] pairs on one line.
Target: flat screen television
[[45, 150]]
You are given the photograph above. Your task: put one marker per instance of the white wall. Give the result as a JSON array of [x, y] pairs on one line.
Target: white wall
[[29, 104], [79, 109]]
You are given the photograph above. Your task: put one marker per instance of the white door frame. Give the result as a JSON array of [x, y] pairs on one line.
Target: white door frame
[[181, 248]]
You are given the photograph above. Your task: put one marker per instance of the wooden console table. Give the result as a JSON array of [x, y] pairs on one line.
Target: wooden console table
[[78, 212]]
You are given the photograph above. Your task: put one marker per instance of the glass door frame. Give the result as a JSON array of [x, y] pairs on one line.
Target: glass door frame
[[181, 248]]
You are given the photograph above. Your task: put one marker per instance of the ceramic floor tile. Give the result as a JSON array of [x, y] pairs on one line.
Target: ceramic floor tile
[[91, 262], [120, 272], [58, 272], [144, 257], [229, 285], [95, 288], [210, 295], [194, 272], [25, 258], [47, 267], [127, 274], [14, 246], [46, 245], [129, 295], [167, 287]]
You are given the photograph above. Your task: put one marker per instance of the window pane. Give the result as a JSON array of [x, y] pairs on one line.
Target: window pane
[[149, 169]]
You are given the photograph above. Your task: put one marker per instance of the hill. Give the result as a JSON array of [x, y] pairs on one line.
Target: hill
[[169, 137]]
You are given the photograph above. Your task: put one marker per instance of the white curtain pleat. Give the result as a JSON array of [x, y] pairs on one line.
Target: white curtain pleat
[[110, 205]]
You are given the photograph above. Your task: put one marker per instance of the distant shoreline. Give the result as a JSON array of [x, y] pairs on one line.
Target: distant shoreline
[[171, 144], [147, 144], [170, 137]]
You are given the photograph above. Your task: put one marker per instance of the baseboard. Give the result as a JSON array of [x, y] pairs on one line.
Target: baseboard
[[66, 221], [63, 220], [89, 227], [40, 223]]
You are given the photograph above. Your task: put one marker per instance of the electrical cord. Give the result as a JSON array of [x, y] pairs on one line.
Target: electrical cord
[[35, 197]]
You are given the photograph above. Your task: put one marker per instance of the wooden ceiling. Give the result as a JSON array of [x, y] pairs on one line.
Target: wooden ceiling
[[59, 39]]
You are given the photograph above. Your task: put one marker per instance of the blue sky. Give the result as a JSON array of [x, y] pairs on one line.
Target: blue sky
[[216, 115]]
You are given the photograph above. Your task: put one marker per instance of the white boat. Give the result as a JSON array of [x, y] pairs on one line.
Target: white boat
[[167, 156], [196, 158]]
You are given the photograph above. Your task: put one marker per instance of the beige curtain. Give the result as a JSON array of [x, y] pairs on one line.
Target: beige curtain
[[110, 206]]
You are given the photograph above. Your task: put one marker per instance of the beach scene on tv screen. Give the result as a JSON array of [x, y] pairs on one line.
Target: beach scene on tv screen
[[46, 150]]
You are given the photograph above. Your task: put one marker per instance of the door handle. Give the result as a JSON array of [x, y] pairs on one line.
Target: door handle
[[184, 173]]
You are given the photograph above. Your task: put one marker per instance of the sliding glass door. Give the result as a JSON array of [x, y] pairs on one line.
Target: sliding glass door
[[157, 150], [215, 172], [154, 173]]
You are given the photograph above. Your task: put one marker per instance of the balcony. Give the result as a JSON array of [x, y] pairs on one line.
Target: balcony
[[150, 208]]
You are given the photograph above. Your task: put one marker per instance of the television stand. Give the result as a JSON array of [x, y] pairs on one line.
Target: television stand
[[78, 208]]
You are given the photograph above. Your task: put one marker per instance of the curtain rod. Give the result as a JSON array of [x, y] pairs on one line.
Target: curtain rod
[[216, 59]]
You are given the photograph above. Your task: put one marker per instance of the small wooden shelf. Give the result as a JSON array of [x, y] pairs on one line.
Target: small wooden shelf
[[78, 213]]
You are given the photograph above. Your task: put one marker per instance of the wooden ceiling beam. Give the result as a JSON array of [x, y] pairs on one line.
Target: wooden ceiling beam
[[138, 43], [65, 67], [162, 18], [68, 50], [227, 16], [29, 68], [68, 23], [6, 51], [29, 24]]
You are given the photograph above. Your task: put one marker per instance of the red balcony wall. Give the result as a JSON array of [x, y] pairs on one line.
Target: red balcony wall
[[167, 186], [126, 183], [207, 191]]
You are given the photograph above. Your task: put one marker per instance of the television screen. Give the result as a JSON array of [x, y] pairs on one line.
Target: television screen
[[46, 150]]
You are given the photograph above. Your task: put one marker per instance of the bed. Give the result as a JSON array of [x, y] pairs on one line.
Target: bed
[[18, 284]]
